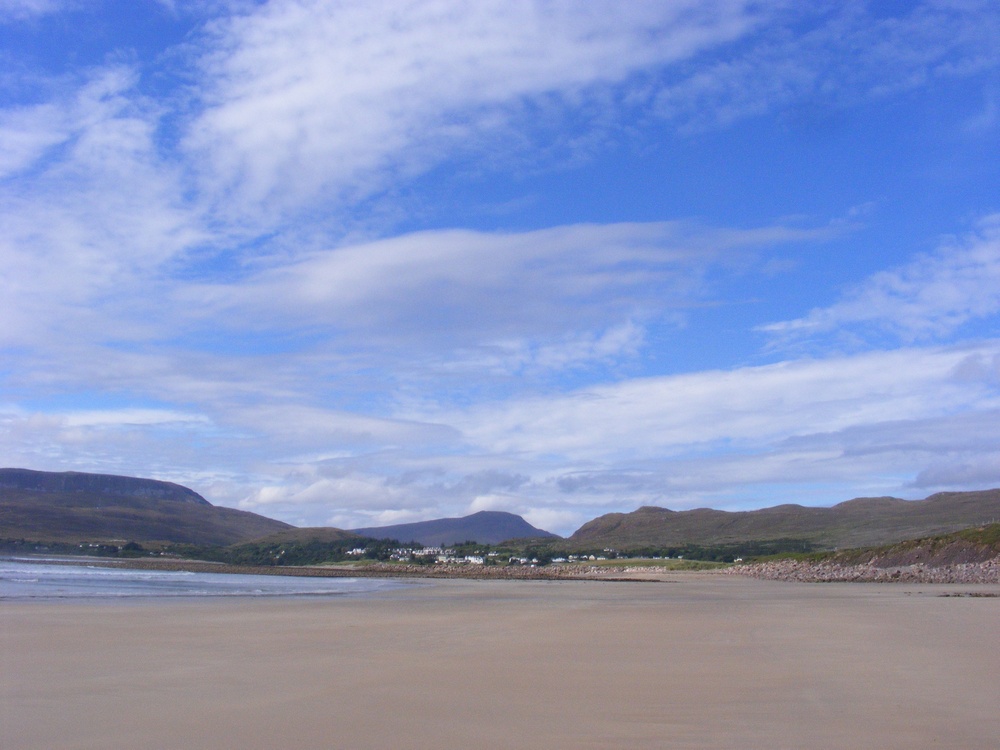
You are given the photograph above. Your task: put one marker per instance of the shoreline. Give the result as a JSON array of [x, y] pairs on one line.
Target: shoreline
[[375, 570], [981, 573]]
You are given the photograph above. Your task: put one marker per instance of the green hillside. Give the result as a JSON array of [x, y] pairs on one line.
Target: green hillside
[[71, 507], [861, 522]]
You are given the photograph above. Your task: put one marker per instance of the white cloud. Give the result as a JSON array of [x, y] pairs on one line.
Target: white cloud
[[562, 522], [86, 237], [349, 501], [843, 55], [656, 417], [163, 443], [927, 298], [483, 288], [22, 10], [297, 426], [492, 502], [130, 417], [306, 97], [578, 349], [28, 132], [361, 491]]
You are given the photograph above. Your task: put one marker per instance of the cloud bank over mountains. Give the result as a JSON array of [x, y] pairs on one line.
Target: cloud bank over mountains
[[362, 263]]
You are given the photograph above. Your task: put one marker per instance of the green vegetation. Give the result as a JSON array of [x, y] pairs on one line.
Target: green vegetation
[[329, 546], [718, 553], [988, 535], [308, 552], [305, 552], [90, 549], [75, 517], [332, 547], [659, 562]]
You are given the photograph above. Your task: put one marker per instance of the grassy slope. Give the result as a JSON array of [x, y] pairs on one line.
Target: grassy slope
[[321, 534], [93, 517], [855, 523]]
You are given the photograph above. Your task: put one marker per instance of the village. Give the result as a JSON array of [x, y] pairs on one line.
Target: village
[[447, 556]]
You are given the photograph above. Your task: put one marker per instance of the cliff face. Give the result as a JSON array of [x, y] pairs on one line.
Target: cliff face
[[99, 484]]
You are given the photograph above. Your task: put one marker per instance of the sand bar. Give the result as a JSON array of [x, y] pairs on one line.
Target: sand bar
[[701, 661]]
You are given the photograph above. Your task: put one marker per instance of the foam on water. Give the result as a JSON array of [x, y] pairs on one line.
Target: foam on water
[[22, 578]]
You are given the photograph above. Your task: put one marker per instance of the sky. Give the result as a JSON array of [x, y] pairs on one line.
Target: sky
[[359, 263]]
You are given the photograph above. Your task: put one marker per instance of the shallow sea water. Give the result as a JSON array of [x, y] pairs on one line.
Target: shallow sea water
[[27, 579]]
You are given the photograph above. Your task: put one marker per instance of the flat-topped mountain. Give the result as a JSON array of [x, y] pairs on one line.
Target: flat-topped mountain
[[485, 527], [104, 484], [860, 522], [78, 507]]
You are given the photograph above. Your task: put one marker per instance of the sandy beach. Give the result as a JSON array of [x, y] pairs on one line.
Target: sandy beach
[[697, 661]]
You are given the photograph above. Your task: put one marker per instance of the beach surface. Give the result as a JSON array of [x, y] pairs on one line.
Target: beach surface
[[694, 661]]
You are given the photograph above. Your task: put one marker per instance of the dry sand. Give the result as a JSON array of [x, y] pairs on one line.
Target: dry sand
[[699, 662]]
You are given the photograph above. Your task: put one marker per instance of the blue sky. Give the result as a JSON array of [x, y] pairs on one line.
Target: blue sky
[[353, 264]]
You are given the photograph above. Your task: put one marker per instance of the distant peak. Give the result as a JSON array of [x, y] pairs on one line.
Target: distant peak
[[485, 527]]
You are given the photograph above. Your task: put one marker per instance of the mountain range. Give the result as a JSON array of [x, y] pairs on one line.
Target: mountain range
[[79, 507], [855, 523]]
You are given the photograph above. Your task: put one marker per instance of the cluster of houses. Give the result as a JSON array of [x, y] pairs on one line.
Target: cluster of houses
[[444, 555], [440, 555]]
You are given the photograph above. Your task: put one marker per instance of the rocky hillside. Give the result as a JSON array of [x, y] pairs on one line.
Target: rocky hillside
[[968, 556], [974, 545]]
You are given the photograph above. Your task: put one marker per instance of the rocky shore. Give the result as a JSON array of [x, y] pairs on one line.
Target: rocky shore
[[987, 571]]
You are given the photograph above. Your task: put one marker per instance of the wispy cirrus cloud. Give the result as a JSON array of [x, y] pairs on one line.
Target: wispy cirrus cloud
[[306, 98], [481, 288], [930, 297], [648, 417], [21, 10], [809, 76], [89, 225], [26, 133]]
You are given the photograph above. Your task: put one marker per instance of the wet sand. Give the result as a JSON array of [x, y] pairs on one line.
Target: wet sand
[[699, 661]]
